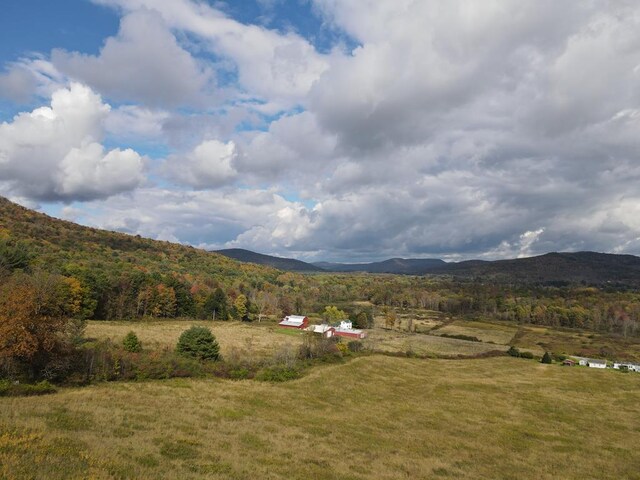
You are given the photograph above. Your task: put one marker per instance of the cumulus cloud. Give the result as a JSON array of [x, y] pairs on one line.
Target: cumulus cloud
[[133, 122], [275, 67], [54, 153], [454, 128], [208, 165], [144, 62], [204, 218], [294, 146], [17, 84]]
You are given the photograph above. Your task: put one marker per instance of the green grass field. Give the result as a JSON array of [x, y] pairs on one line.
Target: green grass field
[[374, 417]]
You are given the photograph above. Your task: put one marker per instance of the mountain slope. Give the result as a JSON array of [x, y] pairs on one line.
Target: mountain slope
[[565, 267], [288, 264], [59, 245]]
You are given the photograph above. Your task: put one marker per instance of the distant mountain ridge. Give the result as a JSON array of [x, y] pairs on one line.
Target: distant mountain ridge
[[559, 268], [407, 266], [554, 267], [288, 264]]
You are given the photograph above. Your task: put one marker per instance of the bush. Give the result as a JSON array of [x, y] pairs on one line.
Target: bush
[[468, 338], [546, 358], [528, 355], [131, 343], [513, 351], [16, 389], [198, 342], [278, 373], [355, 346]]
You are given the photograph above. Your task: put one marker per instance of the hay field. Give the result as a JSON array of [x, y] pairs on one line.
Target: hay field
[[484, 331], [576, 342], [425, 345], [372, 418], [260, 339]]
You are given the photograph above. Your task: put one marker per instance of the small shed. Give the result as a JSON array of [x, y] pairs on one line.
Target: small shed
[[294, 321], [569, 363]]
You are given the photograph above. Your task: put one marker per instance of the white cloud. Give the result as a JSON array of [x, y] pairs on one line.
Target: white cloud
[[53, 153], [142, 63], [294, 146], [17, 84], [208, 165], [279, 68], [132, 122], [205, 218], [455, 128]]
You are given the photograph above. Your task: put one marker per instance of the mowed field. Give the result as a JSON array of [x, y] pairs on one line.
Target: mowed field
[[374, 417]]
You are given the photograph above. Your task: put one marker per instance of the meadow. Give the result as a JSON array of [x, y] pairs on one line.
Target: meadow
[[371, 417], [259, 339]]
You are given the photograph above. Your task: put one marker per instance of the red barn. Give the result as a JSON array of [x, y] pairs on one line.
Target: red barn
[[345, 330], [294, 321], [353, 333]]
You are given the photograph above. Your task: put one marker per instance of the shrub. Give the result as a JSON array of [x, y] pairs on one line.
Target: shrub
[[131, 343], [278, 373], [16, 389], [317, 346], [198, 342], [546, 358], [513, 351], [468, 338], [528, 355], [355, 346]]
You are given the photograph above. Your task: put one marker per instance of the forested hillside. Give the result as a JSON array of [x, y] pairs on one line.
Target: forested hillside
[[288, 264], [125, 276], [107, 275]]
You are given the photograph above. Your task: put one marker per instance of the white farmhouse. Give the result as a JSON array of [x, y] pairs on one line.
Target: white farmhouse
[[596, 363], [591, 362]]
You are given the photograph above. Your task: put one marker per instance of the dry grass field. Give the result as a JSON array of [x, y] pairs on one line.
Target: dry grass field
[[499, 333], [425, 345], [575, 342], [261, 339], [374, 417]]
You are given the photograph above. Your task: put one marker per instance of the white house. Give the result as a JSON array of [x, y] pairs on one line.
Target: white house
[[591, 362], [345, 325], [596, 363]]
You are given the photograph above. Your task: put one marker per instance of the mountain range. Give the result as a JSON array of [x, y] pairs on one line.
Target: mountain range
[[62, 244], [550, 268]]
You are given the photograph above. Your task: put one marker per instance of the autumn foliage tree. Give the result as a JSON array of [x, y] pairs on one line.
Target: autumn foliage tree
[[36, 314]]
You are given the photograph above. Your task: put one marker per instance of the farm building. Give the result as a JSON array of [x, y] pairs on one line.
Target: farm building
[[294, 321], [345, 329], [632, 367], [325, 330], [596, 363], [569, 363]]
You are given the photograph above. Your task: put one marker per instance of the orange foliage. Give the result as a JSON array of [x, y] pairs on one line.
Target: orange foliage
[[31, 317]]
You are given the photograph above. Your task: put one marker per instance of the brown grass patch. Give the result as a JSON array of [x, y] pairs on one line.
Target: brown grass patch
[[372, 418]]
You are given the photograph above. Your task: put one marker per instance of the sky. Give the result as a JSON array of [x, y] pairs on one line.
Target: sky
[[337, 130]]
